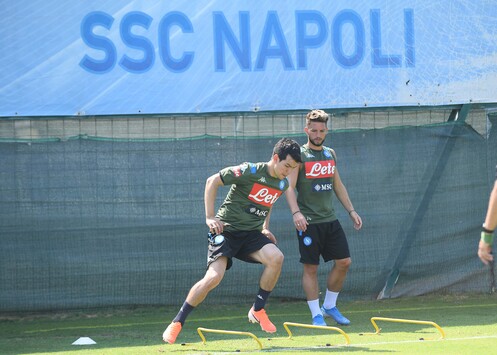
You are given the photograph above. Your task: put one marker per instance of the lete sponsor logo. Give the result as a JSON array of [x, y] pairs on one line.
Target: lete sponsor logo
[[319, 169], [263, 195]]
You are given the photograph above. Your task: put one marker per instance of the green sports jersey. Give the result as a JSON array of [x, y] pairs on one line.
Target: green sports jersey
[[252, 194], [315, 184]]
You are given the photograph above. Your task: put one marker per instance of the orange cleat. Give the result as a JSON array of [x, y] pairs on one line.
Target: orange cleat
[[171, 333], [261, 318]]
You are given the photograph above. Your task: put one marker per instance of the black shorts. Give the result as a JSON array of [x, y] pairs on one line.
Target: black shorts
[[323, 239], [236, 245]]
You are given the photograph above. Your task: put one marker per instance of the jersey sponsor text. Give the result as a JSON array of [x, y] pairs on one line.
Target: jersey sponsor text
[[257, 212], [263, 195], [319, 169], [319, 187]]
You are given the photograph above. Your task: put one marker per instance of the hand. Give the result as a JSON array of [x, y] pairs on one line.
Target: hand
[[354, 216], [485, 252], [269, 235], [300, 221], [214, 225]]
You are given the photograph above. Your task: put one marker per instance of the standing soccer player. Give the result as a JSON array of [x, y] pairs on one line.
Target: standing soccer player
[[240, 230], [488, 228], [318, 230]]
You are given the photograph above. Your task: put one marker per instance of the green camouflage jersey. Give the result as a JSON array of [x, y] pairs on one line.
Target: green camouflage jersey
[[252, 194], [315, 184]]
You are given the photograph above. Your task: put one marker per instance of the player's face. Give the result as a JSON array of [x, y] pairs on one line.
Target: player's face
[[283, 168], [316, 132]]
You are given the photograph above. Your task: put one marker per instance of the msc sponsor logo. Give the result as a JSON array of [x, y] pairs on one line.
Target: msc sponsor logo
[[256, 211], [320, 187]]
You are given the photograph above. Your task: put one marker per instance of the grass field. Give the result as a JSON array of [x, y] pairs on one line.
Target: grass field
[[469, 323]]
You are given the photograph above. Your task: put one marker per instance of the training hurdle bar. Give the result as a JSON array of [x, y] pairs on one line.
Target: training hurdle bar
[[411, 321], [220, 331], [287, 326]]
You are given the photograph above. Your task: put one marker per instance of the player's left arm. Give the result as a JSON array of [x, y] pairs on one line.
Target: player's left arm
[[343, 197], [265, 228], [487, 234]]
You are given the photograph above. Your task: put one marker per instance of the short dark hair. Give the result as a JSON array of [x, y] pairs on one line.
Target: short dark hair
[[287, 146], [316, 116]]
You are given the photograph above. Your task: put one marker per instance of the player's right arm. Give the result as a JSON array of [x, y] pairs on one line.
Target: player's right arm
[[211, 186], [299, 219]]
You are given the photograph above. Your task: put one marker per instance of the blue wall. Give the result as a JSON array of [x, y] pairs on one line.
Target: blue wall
[[127, 57]]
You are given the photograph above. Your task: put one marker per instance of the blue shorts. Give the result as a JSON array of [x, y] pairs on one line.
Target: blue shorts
[[323, 239], [239, 244]]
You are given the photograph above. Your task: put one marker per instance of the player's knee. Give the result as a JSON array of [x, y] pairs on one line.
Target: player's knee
[[277, 259], [211, 281], [343, 264], [310, 270]]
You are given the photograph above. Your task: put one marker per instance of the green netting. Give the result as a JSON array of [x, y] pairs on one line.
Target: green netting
[[90, 223]]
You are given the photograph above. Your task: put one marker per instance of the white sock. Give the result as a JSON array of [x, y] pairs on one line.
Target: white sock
[[330, 300], [314, 307]]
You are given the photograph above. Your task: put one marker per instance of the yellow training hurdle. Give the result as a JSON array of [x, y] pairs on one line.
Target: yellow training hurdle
[[398, 320], [220, 331], [301, 325]]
